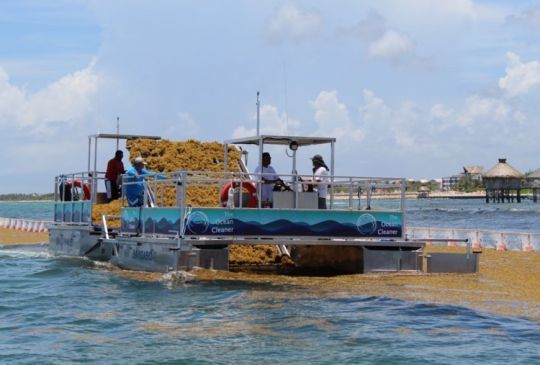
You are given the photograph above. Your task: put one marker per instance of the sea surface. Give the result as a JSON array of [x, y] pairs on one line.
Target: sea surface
[[65, 311], [27, 210]]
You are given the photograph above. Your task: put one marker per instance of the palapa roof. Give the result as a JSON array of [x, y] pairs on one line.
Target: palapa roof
[[473, 169], [504, 170], [535, 174]]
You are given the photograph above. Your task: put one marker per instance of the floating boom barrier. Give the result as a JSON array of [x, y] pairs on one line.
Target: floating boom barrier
[[479, 238], [26, 225]]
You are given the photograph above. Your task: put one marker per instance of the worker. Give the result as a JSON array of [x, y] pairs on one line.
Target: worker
[[134, 187], [320, 179], [113, 176], [266, 177]]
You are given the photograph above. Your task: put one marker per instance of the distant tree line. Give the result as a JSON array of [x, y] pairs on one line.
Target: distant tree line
[[467, 184], [20, 197], [415, 185]]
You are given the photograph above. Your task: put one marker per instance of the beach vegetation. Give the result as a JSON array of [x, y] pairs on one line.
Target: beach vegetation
[[26, 197], [468, 184]]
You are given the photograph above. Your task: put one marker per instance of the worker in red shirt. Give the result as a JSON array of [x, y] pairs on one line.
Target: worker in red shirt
[[113, 176]]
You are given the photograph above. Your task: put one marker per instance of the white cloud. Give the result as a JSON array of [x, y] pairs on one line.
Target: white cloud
[[520, 77], [483, 109], [447, 12], [404, 138], [392, 44], [185, 127], [290, 22], [65, 101], [332, 118], [272, 122], [386, 125], [383, 41], [530, 17], [439, 111], [374, 111]]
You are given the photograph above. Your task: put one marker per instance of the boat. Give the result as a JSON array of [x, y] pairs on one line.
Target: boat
[[160, 236], [72, 232]]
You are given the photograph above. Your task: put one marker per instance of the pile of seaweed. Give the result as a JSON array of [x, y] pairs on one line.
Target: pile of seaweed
[[166, 156]]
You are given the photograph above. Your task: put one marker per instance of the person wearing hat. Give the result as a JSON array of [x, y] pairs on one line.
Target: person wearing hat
[[269, 178], [320, 179], [113, 176], [134, 183]]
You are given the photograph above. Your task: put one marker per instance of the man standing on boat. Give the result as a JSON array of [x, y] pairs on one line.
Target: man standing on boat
[[113, 176], [266, 177], [134, 187]]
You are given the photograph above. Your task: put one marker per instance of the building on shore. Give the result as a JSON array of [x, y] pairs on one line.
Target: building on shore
[[448, 182], [502, 181], [473, 172], [533, 182], [423, 192]]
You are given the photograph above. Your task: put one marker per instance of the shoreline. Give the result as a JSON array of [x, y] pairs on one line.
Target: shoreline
[[414, 196]]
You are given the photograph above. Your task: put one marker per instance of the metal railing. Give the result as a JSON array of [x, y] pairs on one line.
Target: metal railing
[[343, 192], [74, 196], [77, 186]]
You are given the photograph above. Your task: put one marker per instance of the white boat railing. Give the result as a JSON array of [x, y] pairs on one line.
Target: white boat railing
[[355, 193]]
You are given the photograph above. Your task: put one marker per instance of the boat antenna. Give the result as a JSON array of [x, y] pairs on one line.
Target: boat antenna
[[285, 96], [117, 131], [258, 114]]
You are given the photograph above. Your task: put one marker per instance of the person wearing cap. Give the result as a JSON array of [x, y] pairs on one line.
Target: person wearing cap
[[113, 176], [134, 188], [267, 177], [320, 179]]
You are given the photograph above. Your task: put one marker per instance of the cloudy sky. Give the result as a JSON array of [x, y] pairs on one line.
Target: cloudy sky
[[410, 88]]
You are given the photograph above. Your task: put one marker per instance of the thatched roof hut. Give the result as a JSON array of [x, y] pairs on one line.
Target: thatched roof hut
[[503, 170], [423, 192], [473, 170], [502, 176], [534, 175]]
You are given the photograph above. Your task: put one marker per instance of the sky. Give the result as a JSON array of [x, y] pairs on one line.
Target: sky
[[409, 88]]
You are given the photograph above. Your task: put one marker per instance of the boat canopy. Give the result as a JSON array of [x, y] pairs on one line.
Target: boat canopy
[[281, 140], [293, 143], [122, 136]]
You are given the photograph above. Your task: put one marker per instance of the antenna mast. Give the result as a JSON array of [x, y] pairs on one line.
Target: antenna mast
[[258, 114], [285, 95]]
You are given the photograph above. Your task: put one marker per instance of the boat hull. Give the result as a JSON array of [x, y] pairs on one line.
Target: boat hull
[[163, 255], [78, 241]]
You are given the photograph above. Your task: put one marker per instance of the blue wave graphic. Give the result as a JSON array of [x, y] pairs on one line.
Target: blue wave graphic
[[281, 227]]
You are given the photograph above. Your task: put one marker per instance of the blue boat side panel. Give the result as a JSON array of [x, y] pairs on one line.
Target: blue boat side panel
[[265, 222], [73, 212], [131, 219]]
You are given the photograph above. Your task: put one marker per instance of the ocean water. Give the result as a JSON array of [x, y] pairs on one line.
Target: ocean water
[[27, 210], [63, 310], [465, 213]]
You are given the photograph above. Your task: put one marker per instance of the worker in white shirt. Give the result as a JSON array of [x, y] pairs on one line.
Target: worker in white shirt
[[266, 178], [320, 179]]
